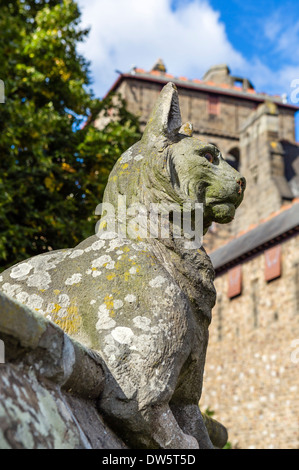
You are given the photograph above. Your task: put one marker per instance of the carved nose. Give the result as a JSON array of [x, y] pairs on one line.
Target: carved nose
[[242, 184]]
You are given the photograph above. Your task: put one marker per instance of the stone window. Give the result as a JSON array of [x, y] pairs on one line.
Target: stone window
[[233, 158], [238, 83], [213, 105], [234, 282], [254, 297], [219, 315], [273, 263], [296, 285]]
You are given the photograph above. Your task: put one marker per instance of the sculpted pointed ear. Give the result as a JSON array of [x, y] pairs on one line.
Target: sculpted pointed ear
[[166, 117], [186, 129]]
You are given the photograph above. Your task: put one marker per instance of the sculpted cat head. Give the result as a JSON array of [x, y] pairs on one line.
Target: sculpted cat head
[[169, 165]]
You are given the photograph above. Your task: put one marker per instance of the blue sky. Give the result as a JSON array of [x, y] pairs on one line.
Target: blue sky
[[264, 29], [258, 39]]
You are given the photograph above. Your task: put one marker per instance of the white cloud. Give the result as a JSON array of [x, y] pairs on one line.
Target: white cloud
[[125, 33], [276, 80], [283, 32], [280, 35]]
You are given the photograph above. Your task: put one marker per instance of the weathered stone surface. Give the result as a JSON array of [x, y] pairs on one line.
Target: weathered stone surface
[[144, 304], [217, 432], [48, 387], [39, 413]]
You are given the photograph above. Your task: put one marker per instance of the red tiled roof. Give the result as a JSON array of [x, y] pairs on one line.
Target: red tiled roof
[[225, 85], [279, 226], [200, 85], [266, 219], [155, 72]]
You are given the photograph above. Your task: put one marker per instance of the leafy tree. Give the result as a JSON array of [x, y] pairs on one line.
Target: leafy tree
[[52, 169]]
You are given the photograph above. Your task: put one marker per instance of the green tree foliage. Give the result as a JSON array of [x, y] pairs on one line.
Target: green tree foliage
[[52, 169]]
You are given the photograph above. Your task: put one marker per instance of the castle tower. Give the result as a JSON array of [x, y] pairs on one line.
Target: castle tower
[[262, 163]]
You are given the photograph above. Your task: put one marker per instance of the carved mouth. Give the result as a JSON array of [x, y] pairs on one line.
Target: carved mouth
[[221, 211], [214, 201], [234, 199]]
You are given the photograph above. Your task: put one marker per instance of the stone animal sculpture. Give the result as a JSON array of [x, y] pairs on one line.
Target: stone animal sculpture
[[144, 304]]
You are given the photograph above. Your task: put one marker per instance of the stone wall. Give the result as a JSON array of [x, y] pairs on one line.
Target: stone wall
[[222, 129], [48, 386], [251, 374], [262, 164]]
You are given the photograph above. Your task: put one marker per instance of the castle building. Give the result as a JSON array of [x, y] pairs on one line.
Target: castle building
[[251, 374]]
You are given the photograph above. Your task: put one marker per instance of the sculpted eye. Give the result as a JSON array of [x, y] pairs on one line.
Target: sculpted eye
[[209, 157]]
